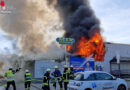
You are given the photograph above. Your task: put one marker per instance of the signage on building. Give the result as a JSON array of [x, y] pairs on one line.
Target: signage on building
[[65, 40], [80, 63]]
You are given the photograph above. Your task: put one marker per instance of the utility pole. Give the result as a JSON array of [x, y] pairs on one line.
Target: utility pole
[[66, 60]]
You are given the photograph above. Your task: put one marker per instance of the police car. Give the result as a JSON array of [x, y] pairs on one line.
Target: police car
[[96, 80]]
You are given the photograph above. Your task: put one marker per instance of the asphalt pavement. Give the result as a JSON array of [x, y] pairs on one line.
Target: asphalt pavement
[[20, 86], [34, 86]]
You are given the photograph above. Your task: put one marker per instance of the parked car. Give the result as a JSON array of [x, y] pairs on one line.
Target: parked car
[[96, 80]]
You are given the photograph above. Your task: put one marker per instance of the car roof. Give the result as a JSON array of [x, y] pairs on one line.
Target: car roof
[[87, 73], [90, 72]]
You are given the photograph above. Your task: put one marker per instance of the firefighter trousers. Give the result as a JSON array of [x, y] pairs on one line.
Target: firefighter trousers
[[27, 85], [65, 85], [46, 87], [60, 83], [11, 83]]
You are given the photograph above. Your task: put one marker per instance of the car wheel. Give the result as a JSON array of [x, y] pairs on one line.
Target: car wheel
[[88, 89], [121, 87]]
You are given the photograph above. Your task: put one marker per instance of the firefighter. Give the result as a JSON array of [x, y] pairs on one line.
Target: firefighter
[[71, 73], [46, 80], [57, 76], [27, 80], [10, 78], [65, 77]]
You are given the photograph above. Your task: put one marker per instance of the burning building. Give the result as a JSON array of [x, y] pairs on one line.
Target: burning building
[[81, 24], [37, 23], [94, 46]]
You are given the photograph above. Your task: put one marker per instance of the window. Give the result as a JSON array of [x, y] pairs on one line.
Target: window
[[91, 77], [103, 76], [79, 77]]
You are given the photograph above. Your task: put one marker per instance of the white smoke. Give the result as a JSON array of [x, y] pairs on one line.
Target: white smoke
[[35, 25]]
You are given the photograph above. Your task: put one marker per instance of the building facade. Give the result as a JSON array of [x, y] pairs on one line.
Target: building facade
[[112, 49]]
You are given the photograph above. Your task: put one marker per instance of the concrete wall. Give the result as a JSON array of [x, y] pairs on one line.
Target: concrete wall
[[41, 66], [111, 49]]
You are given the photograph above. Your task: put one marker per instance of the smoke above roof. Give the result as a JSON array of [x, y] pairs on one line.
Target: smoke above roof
[[34, 23], [79, 18]]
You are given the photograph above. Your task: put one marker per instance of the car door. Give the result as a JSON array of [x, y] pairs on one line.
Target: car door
[[105, 81], [92, 82]]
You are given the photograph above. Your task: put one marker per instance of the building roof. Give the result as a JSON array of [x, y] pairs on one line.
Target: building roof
[[122, 59], [117, 43]]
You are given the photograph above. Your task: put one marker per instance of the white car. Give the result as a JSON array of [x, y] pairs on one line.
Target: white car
[[96, 80]]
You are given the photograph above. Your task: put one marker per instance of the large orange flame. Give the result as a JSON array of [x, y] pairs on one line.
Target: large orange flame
[[94, 46]]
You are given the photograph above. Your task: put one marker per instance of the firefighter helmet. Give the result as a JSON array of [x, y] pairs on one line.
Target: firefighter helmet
[[48, 69], [10, 68], [56, 67], [26, 70], [65, 66], [71, 66]]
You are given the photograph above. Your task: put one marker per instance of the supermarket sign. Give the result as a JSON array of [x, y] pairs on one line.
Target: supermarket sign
[[65, 40]]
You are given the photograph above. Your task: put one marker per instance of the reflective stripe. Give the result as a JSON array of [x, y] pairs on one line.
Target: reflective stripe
[[66, 80], [10, 76], [45, 83], [28, 77], [71, 75], [57, 78], [51, 84], [66, 76]]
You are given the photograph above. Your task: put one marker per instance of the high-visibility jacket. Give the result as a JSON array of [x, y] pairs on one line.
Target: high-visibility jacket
[[66, 76], [71, 74], [46, 82], [46, 79], [10, 76], [27, 77]]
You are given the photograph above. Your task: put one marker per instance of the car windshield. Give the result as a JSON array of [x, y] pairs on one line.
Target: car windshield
[[79, 77]]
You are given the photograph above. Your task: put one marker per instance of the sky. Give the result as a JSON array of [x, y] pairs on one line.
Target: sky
[[115, 22], [115, 19]]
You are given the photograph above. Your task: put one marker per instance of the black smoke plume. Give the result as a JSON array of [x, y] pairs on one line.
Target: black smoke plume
[[79, 19]]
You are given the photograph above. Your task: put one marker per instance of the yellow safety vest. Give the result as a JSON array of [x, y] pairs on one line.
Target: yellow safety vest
[[28, 77], [66, 78], [10, 76]]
